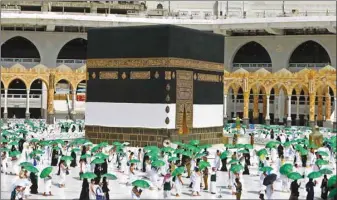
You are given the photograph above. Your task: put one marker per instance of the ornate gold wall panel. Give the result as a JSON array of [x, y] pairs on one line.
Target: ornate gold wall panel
[[184, 98], [327, 106], [256, 107]]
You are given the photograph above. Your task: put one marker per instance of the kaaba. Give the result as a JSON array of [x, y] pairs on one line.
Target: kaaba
[[152, 84]]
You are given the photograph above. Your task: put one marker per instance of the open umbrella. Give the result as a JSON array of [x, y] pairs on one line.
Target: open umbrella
[[262, 152], [88, 175], [322, 153], [266, 169], [31, 169], [194, 142], [101, 155], [321, 162], [134, 161], [269, 179], [173, 159], [14, 153], [25, 164], [224, 155], [248, 146], [332, 181], [66, 158], [203, 165], [236, 167], [332, 193], [85, 156], [294, 175], [167, 149], [110, 176], [97, 161], [286, 169], [178, 171], [243, 151], [233, 161], [325, 171], [314, 175], [141, 184], [45, 172], [158, 163]]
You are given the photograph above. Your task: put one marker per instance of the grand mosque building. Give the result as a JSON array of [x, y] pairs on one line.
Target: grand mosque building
[[279, 60]]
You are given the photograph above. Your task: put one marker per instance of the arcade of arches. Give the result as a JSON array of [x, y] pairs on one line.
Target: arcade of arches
[[19, 82], [316, 89]]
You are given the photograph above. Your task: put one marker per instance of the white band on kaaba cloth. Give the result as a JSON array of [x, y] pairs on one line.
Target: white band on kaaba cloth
[[148, 115]]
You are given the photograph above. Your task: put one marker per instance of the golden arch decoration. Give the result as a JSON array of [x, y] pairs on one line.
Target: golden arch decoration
[[322, 85], [258, 87], [66, 79], [235, 86], [14, 78], [39, 78], [78, 82]]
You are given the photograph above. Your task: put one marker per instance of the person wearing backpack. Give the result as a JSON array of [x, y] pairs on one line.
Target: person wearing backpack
[[310, 189]]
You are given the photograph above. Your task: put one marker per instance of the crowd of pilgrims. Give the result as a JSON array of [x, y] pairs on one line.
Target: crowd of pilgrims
[[161, 177]]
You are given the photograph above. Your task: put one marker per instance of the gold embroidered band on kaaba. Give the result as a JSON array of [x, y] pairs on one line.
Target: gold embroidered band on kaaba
[[155, 62]]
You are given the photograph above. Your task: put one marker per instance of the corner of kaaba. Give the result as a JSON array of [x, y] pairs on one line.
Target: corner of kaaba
[[149, 84]]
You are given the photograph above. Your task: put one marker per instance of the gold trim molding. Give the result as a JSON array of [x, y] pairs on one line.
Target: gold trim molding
[[140, 75], [108, 75], [155, 62], [208, 77]]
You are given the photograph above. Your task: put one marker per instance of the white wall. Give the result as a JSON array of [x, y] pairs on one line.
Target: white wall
[[207, 116], [129, 115]]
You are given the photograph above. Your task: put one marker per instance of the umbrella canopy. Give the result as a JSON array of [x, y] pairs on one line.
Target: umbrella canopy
[[224, 155], [141, 184], [322, 153], [314, 175], [332, 193], [134, 161], [194, 142], [269, 179], [66, 158], [14, 153], [294, 175], [97, 161], [203, 164], [243, 151], [23, 164], [45, 172], [101, 155], [110, 176], [88, 175], [173, 159], [321, 162], [266, 169], [262, 152], [178, 171], [236, 167], [158, 163], [286, 169], [325, 171], [31, 169], [85, 156], [233, 161], [332, 181]]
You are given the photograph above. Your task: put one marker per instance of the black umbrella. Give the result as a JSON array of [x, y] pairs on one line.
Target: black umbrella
[[269, 179]]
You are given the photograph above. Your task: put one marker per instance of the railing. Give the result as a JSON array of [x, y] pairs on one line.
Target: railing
[[21, 60], [23, 96], [309, 65], [252, 65], [70, 61]]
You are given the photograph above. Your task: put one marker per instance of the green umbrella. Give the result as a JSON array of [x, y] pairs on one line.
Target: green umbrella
[[314, 175], [243, 151], [239, 146], [158, 163], [14, 153], [287, 144], [203, 164], [236, 167], [117, 143], [173, 159], [167, 149], [321, 162], [45, 172], [286, 169], [325, 171], [31, 169], [103, 144], [23, 164], [266, 169], [233, 161], [178, 171], [97, 161], [194, 142], [332, 181], [224, 155], [101, 155], [57, 148], [294, 175], [141, 184], [200, 155], [312, 146], [4, 141], [178, 151], [134, 161], [66, 158], [322, 153], [14, 143], [151, 148], [34, 140], [262, 152], [248, 146], [110, 176], [187, 153], [332, 193], [272, 144], [95, 148], [303, 151], [4, 150], [37, 152], [75, 150], [84, 156], [88, 175], [205, 146]]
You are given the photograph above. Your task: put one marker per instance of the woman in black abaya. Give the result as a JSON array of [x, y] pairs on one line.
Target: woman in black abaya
[[34, 186], [85, 190], [54, 157], [73, 162]]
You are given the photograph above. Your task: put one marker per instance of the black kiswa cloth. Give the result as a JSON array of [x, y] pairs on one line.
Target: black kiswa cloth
[[155, 41]]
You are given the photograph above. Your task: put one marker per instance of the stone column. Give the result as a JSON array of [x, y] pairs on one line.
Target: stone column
[[276, 116], [235, 100], [312, 97], [306, 107], [335, 121], [327, 107], [264, 108], [246, 108], [289, 112], [73, 106], [225, 120], [256, 109], [50, 104], [298, 110], [27, 105], [267, 112], [320, 109], [5, 108]]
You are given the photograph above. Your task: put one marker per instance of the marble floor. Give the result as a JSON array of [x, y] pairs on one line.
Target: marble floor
[[119, 189]]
